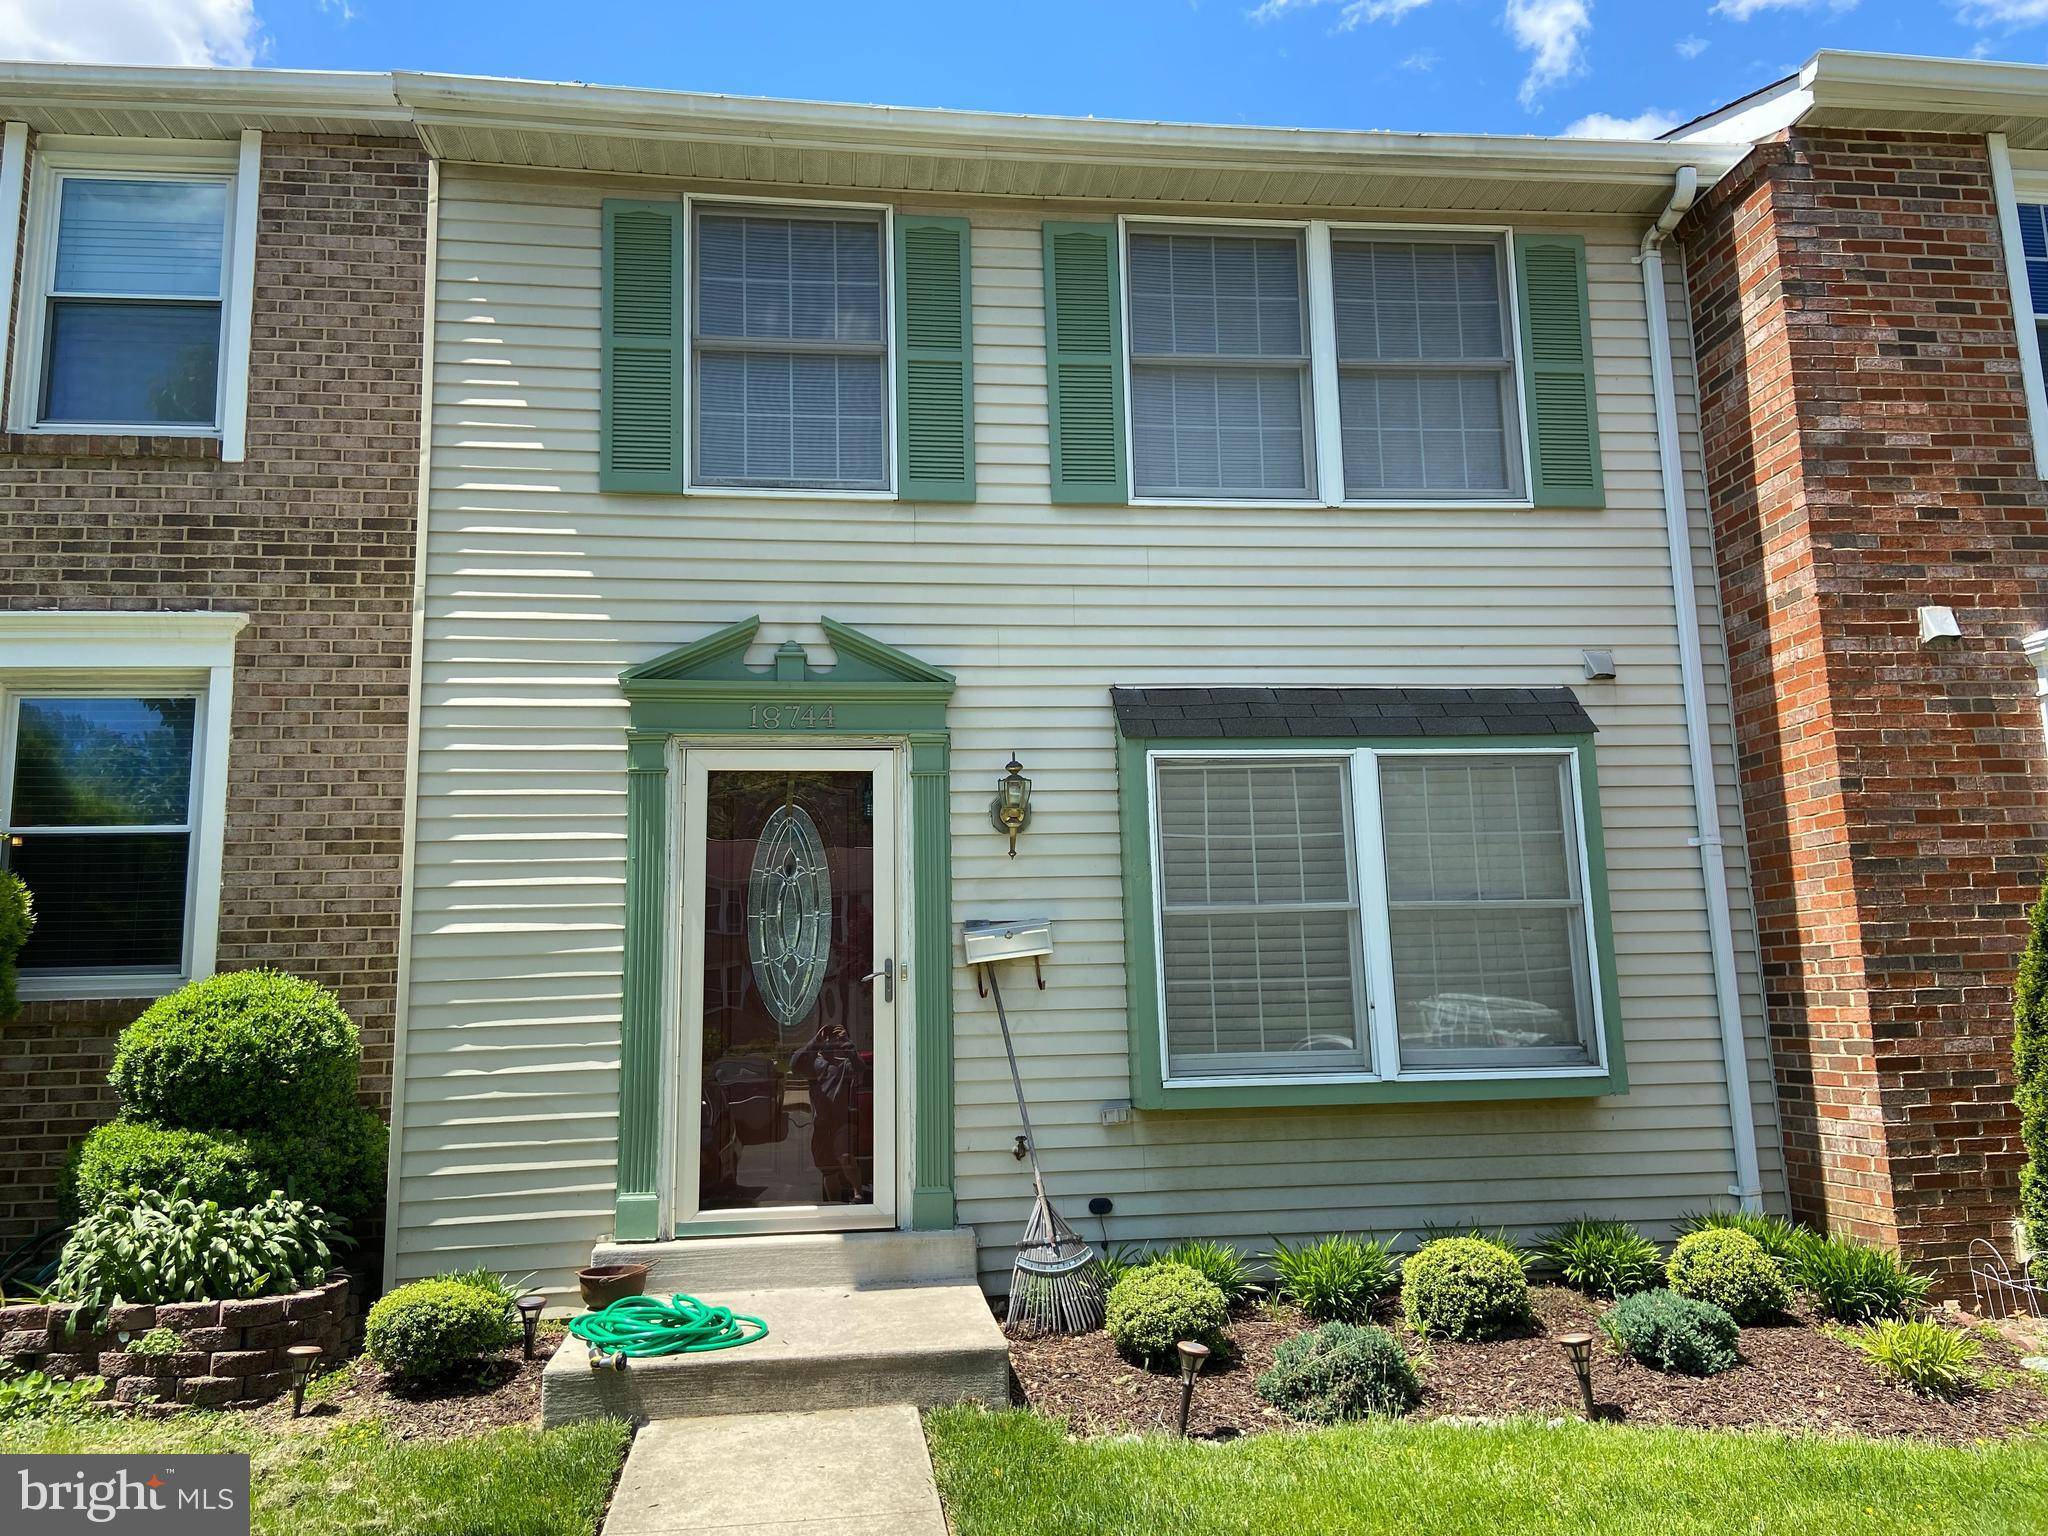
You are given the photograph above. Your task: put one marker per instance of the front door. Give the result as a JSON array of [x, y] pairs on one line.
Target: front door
[[789, 990]]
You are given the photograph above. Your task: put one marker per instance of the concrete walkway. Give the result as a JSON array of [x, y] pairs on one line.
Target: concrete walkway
[[856, 1471]]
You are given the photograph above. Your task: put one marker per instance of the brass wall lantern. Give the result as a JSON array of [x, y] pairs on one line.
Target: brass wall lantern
[[1010, 811]]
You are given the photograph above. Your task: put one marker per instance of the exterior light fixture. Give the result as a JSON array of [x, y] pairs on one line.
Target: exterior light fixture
[[1010, 811], [1580, 1347], [301, 1358], [529, 1318], [1191, 1358]]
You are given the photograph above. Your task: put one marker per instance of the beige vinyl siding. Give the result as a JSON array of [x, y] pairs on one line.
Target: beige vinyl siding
[[539, 591]]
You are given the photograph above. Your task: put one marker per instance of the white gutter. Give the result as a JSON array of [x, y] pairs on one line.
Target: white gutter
[[1748, 1187]]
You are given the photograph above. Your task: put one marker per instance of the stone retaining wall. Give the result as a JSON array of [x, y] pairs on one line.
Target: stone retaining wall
[[232, 1353]]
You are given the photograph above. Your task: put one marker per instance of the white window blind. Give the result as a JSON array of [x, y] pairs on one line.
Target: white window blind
[[1425, 376], [133, 327], [790, 351], [1259, 919], [1486, 911], [1219, 365]]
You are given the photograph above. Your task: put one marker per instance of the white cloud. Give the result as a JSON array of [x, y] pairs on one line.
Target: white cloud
[[131, 31], [1690, 47], [1604, 125], [1354, 11], [1742, 10], [2002, 13], [1422, 61], [1553, 33]]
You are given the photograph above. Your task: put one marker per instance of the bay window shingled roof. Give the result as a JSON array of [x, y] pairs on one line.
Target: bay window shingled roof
[[1267, 713]]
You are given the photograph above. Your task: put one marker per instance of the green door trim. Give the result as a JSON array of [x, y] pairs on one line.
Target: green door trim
[[705, 689]]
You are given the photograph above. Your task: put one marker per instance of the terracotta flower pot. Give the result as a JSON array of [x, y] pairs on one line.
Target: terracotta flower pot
[[603, 1284]]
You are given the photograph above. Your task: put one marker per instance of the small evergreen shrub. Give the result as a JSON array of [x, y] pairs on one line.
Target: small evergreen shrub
[[1783, 1240], [17, 917], [2030, 1072], [336, 1163], [1155, 1306], [1730, 1269], [1669, 1332], [431, 1328], [1464, 1288], [1219, 1263], [126, 1155], [1932, 1360], [1336, 1279], [1339, 1372], [149, 1247], [244, 1051], [1853, 1282], [1603, 1258]]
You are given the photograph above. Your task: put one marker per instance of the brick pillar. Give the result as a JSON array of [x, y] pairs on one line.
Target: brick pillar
[[1867, 449]]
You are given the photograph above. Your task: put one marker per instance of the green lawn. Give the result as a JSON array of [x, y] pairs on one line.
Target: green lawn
[[356, 1480], [1002, 1474]]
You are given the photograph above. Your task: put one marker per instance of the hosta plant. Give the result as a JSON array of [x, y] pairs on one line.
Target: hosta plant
[[1603, 1258], [152, 1247], [1336, 1279]]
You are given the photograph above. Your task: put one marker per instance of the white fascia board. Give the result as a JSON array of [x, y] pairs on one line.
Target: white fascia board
[[1910, 84]]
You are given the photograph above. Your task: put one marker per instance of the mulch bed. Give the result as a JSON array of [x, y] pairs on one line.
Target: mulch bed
[[501, 1393], [1792, 1377]]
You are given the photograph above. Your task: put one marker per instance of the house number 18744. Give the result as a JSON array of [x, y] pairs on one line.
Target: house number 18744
[[789, 717]]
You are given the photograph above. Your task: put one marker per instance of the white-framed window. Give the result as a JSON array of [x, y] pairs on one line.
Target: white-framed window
[[1379, 913], [2019, 184], [1322, 364], [790, 372], [113, 772], [134, 313]]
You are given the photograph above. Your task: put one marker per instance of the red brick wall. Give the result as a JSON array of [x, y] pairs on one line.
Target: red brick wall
[[313, 537], [1867, 449]]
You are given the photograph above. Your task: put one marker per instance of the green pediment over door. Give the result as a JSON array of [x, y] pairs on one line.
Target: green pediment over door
[[707, 688]]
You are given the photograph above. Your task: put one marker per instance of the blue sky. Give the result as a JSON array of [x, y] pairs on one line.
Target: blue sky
[[1493, 66]]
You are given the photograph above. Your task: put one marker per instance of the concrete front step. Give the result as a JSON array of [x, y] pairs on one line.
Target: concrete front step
[[828, 1346], [705, 1266]]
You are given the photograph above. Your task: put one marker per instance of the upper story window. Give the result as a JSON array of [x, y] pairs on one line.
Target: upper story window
[[126, 326], [100, 811], [1425, 378], [2033, 219], [1321, 364], [789, 350], [1219, 365]]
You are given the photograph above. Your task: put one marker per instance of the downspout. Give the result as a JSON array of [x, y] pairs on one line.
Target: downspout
[[1699, 746]]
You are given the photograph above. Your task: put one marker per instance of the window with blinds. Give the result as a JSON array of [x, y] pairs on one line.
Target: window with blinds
[[2033, 219], [1259, 919], [1486, 911], [1219, 380], [1424, 367], [789, 350], [132, 324], [98, 813]]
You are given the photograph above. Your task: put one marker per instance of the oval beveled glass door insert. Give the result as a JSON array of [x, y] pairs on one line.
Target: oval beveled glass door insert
[[789, 914]]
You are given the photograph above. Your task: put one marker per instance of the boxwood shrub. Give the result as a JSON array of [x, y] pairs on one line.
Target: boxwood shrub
[[1340, 1371], [244, 1051], [431, 1328], [17, 916], [1669, 1332], [126, 1155], [1464, 1288], [1731, 1270], [1156, 1306]]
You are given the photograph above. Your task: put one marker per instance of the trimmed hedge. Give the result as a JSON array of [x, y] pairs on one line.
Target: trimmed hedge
[[242, 1051], [17, 917], [433, 1327], [1464, 1288], [1153, 1308], [1340, 1371], [339, 1168], [1731, 1270], [2030, 1072]]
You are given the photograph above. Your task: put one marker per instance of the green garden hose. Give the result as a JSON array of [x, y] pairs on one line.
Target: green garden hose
[[646, 1326]]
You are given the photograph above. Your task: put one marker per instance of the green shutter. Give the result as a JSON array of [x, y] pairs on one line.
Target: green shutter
[[935, 377], [640, 434], [1084, 374], [1557, 371]]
